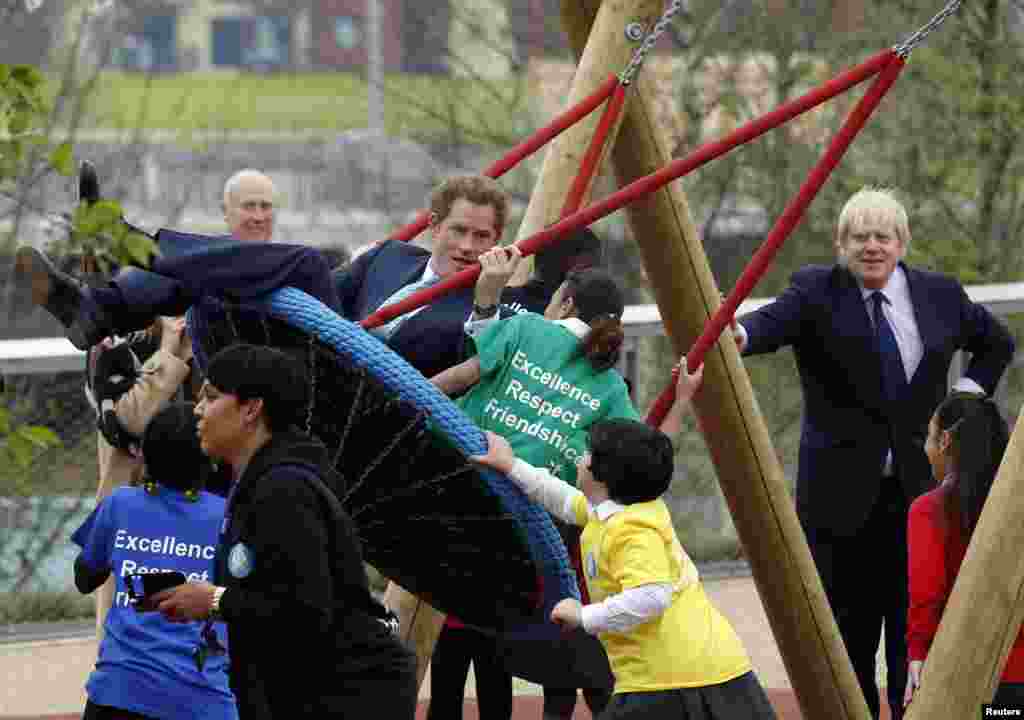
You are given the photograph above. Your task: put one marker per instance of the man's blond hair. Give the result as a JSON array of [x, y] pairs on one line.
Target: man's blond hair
[[875, 204]]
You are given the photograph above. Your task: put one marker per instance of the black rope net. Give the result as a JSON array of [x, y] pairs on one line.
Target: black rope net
[[425, 517]]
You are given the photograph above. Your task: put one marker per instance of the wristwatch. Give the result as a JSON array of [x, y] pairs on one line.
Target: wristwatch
[[482, 312], [218, 592]]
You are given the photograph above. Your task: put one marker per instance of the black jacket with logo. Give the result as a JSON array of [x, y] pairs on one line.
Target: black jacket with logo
[[305, 634]]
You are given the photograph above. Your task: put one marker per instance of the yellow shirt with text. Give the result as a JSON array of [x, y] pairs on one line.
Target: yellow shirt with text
[[691, 644]]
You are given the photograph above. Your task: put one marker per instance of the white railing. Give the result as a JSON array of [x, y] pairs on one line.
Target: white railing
[[1001, 299], [50, 355]]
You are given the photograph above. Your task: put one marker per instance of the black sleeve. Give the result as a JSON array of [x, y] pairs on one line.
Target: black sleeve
[[988, 341], [88, 579], [287, 532]]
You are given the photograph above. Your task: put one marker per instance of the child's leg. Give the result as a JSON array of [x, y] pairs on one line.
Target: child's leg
[[449, 668], [597, 699], [559, 703], [493, 681]]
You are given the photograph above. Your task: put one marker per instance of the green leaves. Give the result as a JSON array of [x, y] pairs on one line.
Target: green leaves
[[21, 98], [62, 159], [22, 444], [99, 230], [94, 219]]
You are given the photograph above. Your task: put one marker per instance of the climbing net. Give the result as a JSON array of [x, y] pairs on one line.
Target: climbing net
[[884, 66]]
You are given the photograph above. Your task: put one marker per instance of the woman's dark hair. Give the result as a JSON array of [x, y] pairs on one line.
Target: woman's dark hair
[[979, 436], [257, 371], [633, 460], [578, 251], [171, 450], [599, 303]]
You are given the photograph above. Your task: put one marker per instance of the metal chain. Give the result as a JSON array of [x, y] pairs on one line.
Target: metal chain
[[904, 48], [626, 76]]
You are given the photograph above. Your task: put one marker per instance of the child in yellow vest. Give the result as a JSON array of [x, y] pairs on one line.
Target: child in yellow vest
[[672, 653]]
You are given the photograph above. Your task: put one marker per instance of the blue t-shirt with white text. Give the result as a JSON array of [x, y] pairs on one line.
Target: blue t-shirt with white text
[[146, 663]]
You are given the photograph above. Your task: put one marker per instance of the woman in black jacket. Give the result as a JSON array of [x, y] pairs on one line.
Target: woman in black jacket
[[307, 638]]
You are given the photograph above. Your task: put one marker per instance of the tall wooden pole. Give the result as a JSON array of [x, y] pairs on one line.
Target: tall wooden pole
[[604, 50], [984, 612], [747, 466]]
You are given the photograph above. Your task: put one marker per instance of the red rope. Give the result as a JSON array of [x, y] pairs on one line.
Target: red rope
[[593, 155], [648, 183], [525, 149], [781, 230]]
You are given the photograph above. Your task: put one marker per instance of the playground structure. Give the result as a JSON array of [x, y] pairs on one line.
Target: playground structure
[[986, 602], [985, 605]]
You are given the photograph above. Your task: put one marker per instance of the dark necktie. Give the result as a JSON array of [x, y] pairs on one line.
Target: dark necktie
[[894, 377]]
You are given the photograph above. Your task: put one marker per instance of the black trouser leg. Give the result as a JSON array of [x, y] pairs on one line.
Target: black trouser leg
[[865, 580], [449, 667], [559, 703], [493, 682], [893, 524]]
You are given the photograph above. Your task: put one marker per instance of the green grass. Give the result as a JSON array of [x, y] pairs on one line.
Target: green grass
[[25, 607], [319, 103]]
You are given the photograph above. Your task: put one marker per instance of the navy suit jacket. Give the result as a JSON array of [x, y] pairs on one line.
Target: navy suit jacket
[[433, 339], [848, 423]]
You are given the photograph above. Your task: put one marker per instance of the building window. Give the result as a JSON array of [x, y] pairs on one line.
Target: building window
[[348, 32], [252, 42], [150, 45]]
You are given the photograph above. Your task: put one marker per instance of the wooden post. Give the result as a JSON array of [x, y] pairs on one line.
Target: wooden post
[[747, 466], [984, 612], [602, 51]]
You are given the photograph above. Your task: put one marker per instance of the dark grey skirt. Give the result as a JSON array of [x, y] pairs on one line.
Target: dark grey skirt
[[742, 698]]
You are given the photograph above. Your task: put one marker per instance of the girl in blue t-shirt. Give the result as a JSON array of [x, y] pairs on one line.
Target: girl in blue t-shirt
[[149, 667]]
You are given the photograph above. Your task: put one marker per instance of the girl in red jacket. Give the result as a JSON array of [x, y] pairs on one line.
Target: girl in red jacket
[[966, 440]]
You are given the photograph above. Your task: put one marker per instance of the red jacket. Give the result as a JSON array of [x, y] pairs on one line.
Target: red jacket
[[932, 571]]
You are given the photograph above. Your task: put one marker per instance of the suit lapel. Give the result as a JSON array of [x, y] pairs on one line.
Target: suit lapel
[[411, 274], [929, 324]]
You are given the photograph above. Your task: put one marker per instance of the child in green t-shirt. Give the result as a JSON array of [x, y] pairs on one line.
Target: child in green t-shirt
[[672, 653], [541, 382]]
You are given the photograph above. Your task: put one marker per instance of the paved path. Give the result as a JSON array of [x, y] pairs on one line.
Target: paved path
[[43, 677]]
